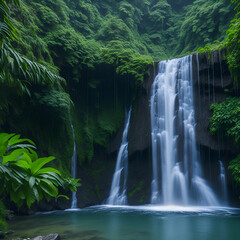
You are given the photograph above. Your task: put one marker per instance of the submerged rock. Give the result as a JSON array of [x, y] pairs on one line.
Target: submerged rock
[[2, 235], [9, 232], [51, 236]]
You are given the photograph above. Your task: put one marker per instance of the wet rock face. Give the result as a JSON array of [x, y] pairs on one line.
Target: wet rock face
[[139, 135], [212, 84]]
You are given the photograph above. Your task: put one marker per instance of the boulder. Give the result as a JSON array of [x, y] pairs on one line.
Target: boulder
[[51, 236], [2, 235], [9, 232]]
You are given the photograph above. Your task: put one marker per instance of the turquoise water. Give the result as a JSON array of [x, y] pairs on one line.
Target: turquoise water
[[134, 223]]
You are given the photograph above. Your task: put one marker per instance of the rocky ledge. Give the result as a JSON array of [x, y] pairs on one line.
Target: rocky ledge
[[51, 236]]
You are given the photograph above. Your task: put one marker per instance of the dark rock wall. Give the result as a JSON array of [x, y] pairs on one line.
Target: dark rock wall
[[212, 83]]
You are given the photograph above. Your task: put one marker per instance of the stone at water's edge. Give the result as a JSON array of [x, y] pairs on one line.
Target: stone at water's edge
[[52, 236], [2, 235]]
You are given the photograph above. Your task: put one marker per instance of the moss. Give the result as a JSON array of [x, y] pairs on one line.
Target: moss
[[3, 223], [97, 191], [95, 127], [136, 188]]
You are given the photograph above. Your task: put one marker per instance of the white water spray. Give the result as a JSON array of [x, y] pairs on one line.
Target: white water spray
[[118, 189], [223, 182]]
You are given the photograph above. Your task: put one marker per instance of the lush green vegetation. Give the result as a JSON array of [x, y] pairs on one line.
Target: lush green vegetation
[[22, 175], [225, 121], [102, 49], [234, 166], [233, 45]]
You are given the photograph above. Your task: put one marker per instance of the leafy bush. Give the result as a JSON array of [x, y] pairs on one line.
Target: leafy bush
[[233, 45], [225, 121], [234, 166], [3, 224], [22, 174], [204, 22]]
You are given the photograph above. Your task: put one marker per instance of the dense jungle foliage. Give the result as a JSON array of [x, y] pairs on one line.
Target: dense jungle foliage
[[103, 49], [22, 176]]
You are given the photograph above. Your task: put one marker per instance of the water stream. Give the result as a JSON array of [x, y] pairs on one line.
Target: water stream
[[117, 194], [177, 172], [74, 168], [223, 183]]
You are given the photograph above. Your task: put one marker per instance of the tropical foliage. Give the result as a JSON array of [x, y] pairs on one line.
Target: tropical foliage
[[225, 121], [15, 69], [234, 166], [105, 48], [23, 175], [26, 85], [3, 224], [233, 45]]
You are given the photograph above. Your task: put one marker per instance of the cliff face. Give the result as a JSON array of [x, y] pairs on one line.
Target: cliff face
[[212, 84]]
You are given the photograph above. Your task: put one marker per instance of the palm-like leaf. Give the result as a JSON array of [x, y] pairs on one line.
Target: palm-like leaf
[[17, 70], [7, 30], [21, 72], [22, 174]]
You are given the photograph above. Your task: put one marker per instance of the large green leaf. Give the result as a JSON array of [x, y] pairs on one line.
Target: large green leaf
[[4, 137], [48, 170], [39, 163], [32, 181], [16, 139], [49, 188], [18, 154]]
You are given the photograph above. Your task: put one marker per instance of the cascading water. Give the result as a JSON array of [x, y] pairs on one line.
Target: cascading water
[[223, 182], [119, 182], [177, 176], [74, 168]]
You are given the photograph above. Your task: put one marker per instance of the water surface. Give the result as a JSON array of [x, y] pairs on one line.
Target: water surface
[[134, 223]]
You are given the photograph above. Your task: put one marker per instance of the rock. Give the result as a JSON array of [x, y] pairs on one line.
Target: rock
[[9, 232], [9, 214], [210, 82], [51, 236], [37, 238], [2, 235]]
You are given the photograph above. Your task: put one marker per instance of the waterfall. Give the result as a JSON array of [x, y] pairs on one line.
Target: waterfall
[[177, 174], [119, 182], [198, 78], [223, 182], [74, 168]]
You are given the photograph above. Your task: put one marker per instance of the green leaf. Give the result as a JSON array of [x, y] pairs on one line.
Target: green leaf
[[32, 181], [39, 163]]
